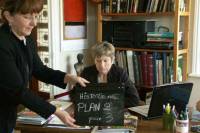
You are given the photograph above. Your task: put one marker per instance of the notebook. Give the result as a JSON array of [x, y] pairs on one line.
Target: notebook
[[99, 104], [177, 94]]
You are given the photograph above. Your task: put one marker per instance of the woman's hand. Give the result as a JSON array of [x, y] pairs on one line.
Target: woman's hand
[[198, 105], [72, 80], [65, 118]]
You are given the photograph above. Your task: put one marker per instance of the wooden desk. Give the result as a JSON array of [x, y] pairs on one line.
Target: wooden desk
[[39, 129], [144, 126], [155, 126], [150, 126]]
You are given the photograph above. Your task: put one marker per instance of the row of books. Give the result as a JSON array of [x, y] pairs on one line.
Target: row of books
[[159, 40], [148, 68], [135, 6]]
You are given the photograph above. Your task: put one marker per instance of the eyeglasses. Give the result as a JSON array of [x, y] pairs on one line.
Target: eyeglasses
[[30, 17]]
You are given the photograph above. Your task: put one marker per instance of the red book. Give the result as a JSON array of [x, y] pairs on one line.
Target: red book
[[143, 59], [150, 75]]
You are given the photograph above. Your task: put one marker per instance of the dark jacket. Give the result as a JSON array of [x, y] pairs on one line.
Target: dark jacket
[[115, 75], [18, 63]]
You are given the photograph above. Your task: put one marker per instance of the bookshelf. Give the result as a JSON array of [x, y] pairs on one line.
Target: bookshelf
[[177, 10], [41, 34]]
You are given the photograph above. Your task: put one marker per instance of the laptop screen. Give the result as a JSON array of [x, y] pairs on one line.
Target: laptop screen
[[175, 94], [99, 104]]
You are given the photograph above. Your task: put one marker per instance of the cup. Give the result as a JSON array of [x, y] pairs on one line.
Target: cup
[[182, 126]]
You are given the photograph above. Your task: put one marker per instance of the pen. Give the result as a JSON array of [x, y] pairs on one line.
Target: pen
[[163, 108], [168, 108], [181, 117], [174, 112], [185, 114]]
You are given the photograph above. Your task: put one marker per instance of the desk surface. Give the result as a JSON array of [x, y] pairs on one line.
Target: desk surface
[[39, 129], [144, 126], [150, 126]]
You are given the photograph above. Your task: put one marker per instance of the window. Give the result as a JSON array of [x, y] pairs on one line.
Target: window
[[196, 41]]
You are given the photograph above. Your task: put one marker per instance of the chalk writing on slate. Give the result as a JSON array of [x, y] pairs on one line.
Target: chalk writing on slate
[[99, 104]]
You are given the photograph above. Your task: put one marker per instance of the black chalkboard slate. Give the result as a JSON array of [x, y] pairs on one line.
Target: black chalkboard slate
[[100, 104]]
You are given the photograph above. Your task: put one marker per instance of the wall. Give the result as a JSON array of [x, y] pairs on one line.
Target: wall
[[195, 96], [64, 58]]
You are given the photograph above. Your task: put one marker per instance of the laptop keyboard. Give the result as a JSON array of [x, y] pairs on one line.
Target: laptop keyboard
[[141, 109]]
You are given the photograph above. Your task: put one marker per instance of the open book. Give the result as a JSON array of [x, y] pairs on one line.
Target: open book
[[56, 122], [29, 117]]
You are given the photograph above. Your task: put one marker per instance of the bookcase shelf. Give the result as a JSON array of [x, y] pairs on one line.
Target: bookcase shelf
[[140, 14], [176, 13], [184, 14], [146, 14], [182, 51], [141, 50]]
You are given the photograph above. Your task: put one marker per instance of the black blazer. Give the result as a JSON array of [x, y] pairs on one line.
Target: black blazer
[[115, 75], [18, 63]]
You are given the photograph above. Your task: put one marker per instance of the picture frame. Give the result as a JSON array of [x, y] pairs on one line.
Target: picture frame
[[74, 17]]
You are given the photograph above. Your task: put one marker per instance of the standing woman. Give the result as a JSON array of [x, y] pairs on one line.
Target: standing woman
[[19, 61]]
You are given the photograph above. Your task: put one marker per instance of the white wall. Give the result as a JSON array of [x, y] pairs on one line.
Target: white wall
[[64, 52], [195, 95]]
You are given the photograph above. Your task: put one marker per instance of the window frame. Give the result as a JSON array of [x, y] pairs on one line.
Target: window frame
[[196, 41]]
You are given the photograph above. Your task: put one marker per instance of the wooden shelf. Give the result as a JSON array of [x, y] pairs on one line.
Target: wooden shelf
[[43, 49], [182, 51], [42, 25], [140, 14], [147, 50], [184, 14]]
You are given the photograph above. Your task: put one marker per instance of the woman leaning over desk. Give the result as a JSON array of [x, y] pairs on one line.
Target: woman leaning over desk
[[19, 61], [104, 71]]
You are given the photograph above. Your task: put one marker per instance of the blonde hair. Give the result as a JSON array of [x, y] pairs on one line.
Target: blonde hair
[[103, 49]]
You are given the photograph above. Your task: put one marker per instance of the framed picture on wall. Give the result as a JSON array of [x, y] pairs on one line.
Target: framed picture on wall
[[74, 15]]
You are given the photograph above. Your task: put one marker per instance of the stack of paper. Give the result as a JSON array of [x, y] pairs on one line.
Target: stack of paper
[[61, 104], [29, 117], [56, 122]]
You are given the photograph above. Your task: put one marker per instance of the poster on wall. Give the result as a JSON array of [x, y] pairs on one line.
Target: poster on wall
[[74, 19]]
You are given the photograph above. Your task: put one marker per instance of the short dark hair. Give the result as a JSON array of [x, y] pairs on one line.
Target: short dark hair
[[21, 6]]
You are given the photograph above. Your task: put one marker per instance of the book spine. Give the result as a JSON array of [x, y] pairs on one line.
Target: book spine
[[155, 68], [150, 67], [164, 57], [136, 69], [143, 59]]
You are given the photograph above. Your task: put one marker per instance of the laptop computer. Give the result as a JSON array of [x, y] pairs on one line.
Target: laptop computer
[[99, 104], [177, 94]]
